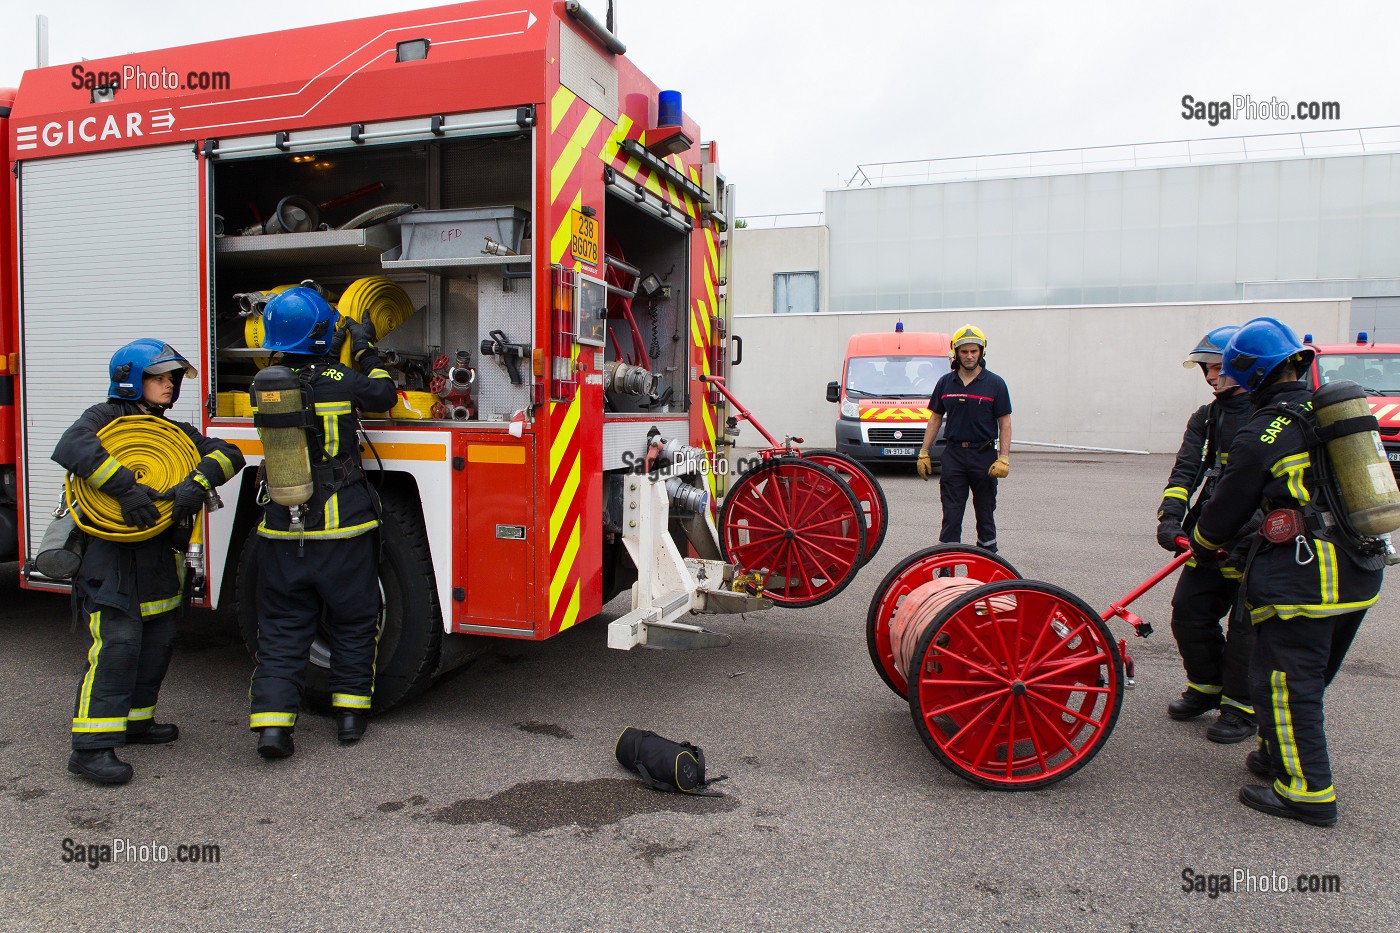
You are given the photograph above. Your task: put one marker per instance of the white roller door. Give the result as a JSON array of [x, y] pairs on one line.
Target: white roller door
[[108, 253]]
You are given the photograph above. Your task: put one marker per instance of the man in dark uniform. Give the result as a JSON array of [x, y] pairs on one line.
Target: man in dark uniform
[[977, 405], [1308, 596], [1216, 661], [128, 593], [328, 565]]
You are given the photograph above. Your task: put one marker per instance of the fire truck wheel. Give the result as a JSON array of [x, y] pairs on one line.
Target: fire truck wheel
[[410, 633]]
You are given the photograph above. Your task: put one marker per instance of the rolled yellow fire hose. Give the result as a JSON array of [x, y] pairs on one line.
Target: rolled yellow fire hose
[[158, 452], [385, 303]]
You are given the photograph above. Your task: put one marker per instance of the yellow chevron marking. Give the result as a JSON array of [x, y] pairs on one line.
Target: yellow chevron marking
[[566, 499], [712, 248], [571, 613], [1384, 410], [653, 184], [563, 100], [573, 149], [565, 435], [559, 243], [561, 573], [619, 133]]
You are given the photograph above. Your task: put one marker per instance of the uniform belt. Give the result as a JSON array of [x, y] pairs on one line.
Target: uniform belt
[[978, 445]]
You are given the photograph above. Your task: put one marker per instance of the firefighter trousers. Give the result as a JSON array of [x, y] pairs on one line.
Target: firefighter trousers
[[1293, 662], [1216, 659], [964, 470], [127, 657], [334, 585]]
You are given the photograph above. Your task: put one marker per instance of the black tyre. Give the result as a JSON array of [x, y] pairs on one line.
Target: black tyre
[[410, 621]]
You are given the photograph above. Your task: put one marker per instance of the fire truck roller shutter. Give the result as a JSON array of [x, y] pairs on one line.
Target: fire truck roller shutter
[[410, 636], [100, 234]]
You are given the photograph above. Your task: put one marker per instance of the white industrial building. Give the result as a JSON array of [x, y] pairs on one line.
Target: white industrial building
[[1092, 272]]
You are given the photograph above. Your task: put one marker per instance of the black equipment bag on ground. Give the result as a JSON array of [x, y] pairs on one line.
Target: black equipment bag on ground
[[664, 764]]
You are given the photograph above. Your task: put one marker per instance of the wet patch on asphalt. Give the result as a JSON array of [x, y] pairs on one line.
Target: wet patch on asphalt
[[544, 728], [536, 806]]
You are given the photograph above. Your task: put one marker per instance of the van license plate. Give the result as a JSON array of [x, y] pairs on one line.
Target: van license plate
[[898, 451]]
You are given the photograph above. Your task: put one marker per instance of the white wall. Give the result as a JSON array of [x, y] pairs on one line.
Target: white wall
[[760, 253], [1106, 376]]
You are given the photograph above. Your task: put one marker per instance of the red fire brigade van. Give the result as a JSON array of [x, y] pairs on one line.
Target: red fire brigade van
[[886, 381], [548, 225]]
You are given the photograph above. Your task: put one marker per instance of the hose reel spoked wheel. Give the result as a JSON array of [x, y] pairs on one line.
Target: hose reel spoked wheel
[[868, 491], [939, 561], [1013, 685], [796, 525]]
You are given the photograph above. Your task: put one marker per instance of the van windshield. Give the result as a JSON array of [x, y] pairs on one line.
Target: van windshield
[[893, 376], [1377, 374]]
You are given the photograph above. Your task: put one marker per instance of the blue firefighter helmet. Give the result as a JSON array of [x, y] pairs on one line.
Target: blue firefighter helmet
[[1211, 347], [299, 320], [1258, 348], [140, 358]]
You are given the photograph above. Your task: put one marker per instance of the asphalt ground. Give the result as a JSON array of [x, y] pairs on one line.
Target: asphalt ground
[[494, 801]]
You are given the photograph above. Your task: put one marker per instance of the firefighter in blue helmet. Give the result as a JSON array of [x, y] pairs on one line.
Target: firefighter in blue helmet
[[319, 561], [127, 593], [1307, 596], [1216, 659]]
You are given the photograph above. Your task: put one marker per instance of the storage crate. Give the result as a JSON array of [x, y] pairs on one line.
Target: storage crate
[[460, 234]]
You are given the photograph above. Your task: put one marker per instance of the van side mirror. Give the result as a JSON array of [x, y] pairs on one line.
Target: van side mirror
[[833, 392]]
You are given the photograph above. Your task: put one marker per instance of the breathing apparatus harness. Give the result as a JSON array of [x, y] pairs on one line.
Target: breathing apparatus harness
[[1323, 515], [328, 474]]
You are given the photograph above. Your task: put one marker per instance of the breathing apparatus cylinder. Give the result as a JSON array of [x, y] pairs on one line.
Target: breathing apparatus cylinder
[[277, 395], [1364, 478]]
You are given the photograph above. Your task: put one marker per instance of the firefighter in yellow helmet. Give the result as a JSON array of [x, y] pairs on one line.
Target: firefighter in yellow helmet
[[977, 406]]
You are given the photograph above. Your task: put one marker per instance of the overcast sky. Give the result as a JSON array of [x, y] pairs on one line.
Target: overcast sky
[[798, 94]]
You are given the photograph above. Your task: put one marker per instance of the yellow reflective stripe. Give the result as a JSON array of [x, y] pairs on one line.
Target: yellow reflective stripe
[[348, 532], [145, 712], [1211, 689], [336, 408], [156, 606], [1290, 463], [1203, 540], [349, 701], [333, 512], [259, 720], [95, 652], [99, 725], [1327, 570], [1259, 614], [1227, 701], [1327, 795], [201, 479], [378, 373], [1224, 457], [1320, 611], [1230, 573], [225, 464], [103, 473], [331, 429], [1176, 492], [1283, 729]]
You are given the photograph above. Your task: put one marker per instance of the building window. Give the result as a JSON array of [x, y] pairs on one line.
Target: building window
[[795, 293]]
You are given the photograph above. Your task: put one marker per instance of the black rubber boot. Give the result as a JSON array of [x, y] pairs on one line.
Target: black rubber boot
[[1265, 800], [1258, 764], [350, 725], [275, 742], [155, 733], [99, 765], [1193, 703], [1232, 726]]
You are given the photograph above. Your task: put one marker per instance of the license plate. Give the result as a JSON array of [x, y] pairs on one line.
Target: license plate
[[898, 451], [1393, 455]]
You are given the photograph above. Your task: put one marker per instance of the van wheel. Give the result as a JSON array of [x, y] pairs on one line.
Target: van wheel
[[410, 620]]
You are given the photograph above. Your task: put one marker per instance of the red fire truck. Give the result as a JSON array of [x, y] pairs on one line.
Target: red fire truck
[[559, 230]]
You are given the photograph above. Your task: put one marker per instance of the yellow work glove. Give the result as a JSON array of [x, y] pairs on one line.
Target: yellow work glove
[[925, 465], [1000, 467]]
